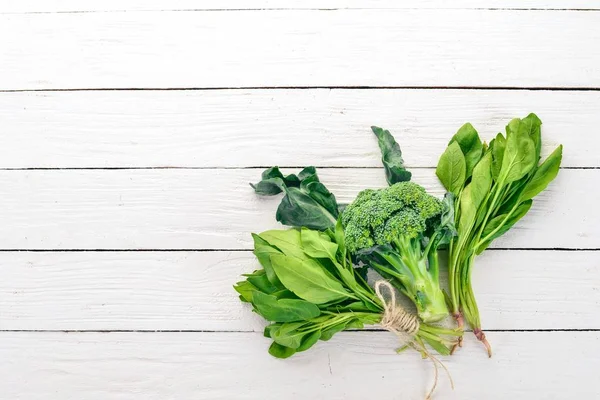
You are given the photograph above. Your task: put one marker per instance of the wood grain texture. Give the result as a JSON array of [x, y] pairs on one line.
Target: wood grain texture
[[28, 6], [244, 128], [192, 291], [300, 48], [124, 366], [217, 209]]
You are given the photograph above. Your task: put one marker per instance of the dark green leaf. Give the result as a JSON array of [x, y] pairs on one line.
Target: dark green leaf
[[498, 145], [298, 208], [279, 351], [470, 145], [391, 156], [308, 279], [274, 182], [307, 202], [284, 310], [309, 341], [451, 168], [543, 175]]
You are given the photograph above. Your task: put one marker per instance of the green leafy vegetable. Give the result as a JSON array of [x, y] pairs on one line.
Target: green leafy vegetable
[[315, 292], [306, 202], [391, 156], [452, 168], [499, 193]]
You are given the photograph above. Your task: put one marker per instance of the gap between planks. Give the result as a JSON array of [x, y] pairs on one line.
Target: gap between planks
[[347, 87]]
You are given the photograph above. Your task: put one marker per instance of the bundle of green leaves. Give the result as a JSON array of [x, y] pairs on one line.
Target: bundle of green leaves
[[493, 186], [309, 290], [398, 231]]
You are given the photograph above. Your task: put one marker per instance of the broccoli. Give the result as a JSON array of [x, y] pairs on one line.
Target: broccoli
[[397, 231]]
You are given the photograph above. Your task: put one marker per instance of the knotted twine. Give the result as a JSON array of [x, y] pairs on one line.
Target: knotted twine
[[406, 326]]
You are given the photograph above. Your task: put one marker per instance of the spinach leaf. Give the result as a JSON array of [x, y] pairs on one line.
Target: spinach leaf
[[543, 175], [245, 289], [318, 244], [481, 182], [263, 251], [307, 202], [309, 340], [308, 279], [470, 145], [274, 182], [498, 228], [279, 351], [498, 145], [262, 282], [451, 169], [289, 335], [284, 310], [328, 333], [391, 156], [520, 154]]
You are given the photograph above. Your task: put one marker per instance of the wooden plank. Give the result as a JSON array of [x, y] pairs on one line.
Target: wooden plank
[[28, 6], [244, 128], [351, 366], [192, 291], [217, 209], [300, 48]]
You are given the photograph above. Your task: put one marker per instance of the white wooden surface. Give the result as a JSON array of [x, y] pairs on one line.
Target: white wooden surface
[[125, 214]]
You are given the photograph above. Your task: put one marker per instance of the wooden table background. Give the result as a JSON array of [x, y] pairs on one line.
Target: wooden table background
[[129, 133]]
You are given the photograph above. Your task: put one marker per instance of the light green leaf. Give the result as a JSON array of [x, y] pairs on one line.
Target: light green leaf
[[328, 333], [263, 251], [498, 226], [468, 210], [318, 244], [288, 334], [279, 351], [284, 310], [470, 145], [308, 279], [481, 182], [543, 175], [451, 169], [287, 241], [340, 239], [245, 289], [520, 154]]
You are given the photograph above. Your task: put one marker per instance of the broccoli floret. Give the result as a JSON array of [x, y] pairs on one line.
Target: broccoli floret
[[382, 215], [397, 231]]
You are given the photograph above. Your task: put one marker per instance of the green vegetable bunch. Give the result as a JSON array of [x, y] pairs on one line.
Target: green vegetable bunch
[[309, 290], [397, 231], [493, 186]]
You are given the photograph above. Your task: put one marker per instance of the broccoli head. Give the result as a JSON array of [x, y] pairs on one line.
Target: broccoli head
[[378, 217], [397, 231]]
